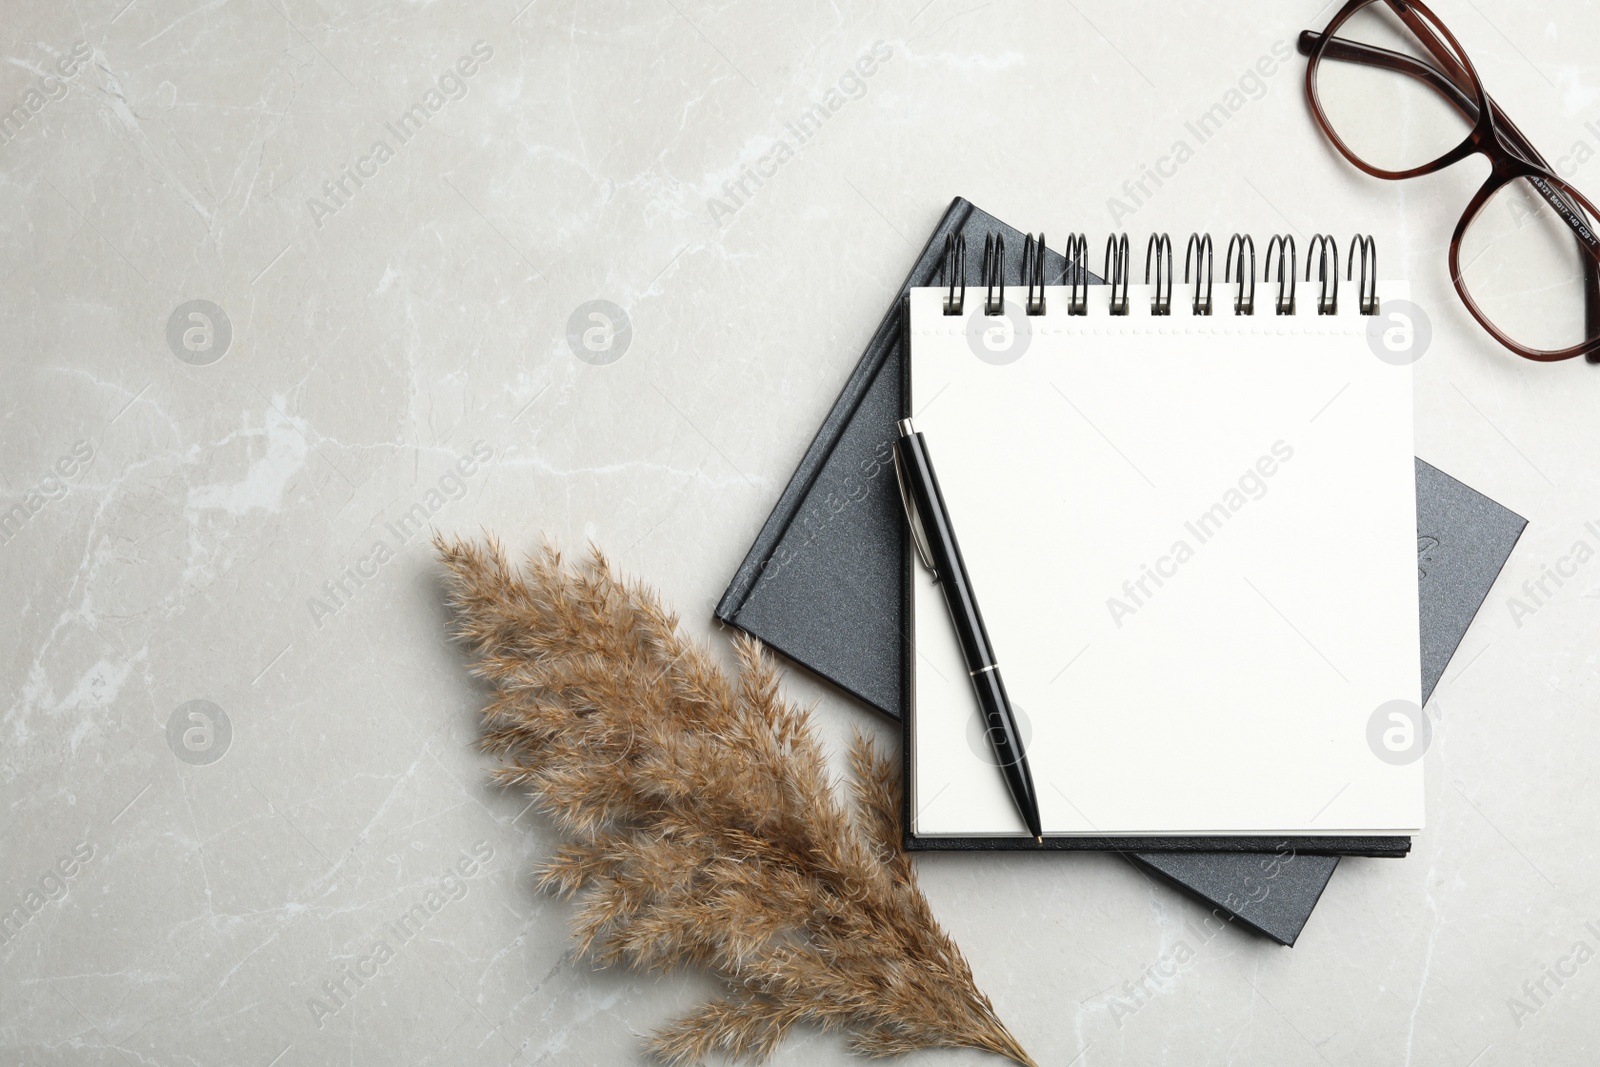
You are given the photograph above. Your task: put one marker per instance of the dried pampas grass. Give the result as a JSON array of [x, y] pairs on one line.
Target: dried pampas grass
[[702, 827]]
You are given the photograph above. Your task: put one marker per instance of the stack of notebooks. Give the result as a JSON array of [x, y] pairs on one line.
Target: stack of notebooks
[[1192, 536]]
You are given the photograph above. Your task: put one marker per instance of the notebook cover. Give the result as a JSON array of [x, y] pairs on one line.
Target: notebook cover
[[821, 583]]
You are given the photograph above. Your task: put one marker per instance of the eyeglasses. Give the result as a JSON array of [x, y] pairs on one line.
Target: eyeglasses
[[1395, 93]]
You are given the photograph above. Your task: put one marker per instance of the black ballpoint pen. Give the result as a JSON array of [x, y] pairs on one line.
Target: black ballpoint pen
[[935, 541]]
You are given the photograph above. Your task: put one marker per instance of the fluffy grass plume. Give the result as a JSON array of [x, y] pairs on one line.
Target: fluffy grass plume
[[701, 827]]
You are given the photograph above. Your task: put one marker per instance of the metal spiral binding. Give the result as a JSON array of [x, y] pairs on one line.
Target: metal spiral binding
[[1199, 248], [1158, 252], [1199, 256], [1116, 272], [1324, 247], [953, 267], [1367, 250], [1284, 304], [994, 274], [1033, 273], [1076, 275], [1241, 304]]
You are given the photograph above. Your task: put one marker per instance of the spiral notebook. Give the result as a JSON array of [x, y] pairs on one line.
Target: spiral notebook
[[824, 581], [1189, 513]]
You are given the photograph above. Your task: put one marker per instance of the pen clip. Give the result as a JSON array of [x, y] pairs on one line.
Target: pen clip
[[919, 537]]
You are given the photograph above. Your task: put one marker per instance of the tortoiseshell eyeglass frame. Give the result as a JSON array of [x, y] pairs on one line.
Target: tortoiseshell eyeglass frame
[[1493, 135]]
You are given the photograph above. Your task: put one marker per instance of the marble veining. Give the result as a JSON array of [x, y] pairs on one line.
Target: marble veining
[[287, 286]]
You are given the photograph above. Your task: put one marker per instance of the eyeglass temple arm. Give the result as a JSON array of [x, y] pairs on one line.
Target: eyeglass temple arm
[[1343, 50], [1372, 56], [1442, 55]]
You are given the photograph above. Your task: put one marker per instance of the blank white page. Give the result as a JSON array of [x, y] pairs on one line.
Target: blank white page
[[1193, 540]]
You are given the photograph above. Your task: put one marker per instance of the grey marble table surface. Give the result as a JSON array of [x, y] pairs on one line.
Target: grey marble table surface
[[286, 285]]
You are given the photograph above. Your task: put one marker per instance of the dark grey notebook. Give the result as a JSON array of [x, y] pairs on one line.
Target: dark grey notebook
[[822, 585]]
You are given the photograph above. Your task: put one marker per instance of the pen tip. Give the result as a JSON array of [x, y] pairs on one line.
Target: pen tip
[[1038, 839]]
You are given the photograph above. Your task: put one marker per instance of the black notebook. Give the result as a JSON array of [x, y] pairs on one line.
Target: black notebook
[[823, 585]]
